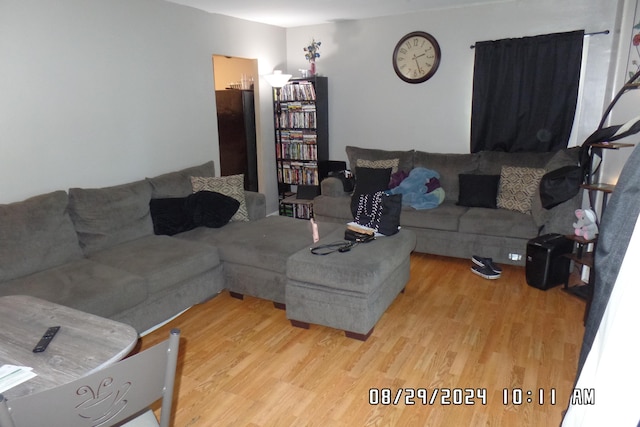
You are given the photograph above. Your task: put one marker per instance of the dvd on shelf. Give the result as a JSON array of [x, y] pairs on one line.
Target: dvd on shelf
[[296, 150], [298, 91], [298, 119], [296, 172]]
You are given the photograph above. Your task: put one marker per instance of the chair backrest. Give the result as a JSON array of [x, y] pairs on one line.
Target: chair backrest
[[104, 398]]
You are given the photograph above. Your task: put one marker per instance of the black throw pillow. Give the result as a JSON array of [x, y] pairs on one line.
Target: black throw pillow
[[369, 181], [169, 216], [211, 209], [480, 191], [202, 209]]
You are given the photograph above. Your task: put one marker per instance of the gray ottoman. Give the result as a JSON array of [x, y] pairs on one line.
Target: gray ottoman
[[348, 290]]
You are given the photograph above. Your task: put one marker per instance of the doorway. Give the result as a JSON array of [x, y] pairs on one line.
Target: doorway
[[235, 104]]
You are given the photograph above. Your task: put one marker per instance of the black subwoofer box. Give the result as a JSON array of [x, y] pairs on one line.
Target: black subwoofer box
[[326, 166], [546, 266]]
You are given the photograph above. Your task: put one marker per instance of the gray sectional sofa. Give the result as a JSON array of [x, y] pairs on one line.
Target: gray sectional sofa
[[95, 250], [462, 231]]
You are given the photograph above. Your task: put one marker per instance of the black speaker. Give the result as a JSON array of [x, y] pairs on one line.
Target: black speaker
[[546, 266], [326, 166]]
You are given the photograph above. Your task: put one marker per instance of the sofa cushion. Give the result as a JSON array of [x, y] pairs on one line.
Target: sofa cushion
[[491, 162], [337, 208], [105, 217], [178, 184], [480, 191], [517, 187], [162, 261], [36, 234], [448, 166], [232, 186], [264, 244], [256, 205], [497, 222], [444, 217], [84, 285], [405, 158]]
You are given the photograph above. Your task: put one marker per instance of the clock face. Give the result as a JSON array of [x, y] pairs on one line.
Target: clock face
[[416, 57]]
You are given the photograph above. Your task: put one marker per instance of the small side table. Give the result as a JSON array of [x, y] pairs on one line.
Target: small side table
[[582, 258]]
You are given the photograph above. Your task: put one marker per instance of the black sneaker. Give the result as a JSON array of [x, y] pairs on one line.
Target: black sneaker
[[486, 262], [485, 272]]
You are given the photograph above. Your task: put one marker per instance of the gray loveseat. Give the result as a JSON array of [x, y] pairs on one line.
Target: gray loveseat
[[95, 250], [462, 231]]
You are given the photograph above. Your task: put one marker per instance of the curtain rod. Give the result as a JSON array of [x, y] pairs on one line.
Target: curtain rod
[[473, 46]]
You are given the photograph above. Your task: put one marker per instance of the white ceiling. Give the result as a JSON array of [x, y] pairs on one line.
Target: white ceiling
[[296, 13]]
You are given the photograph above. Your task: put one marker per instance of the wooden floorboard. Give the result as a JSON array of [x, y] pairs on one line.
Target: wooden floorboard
[[243, 364]]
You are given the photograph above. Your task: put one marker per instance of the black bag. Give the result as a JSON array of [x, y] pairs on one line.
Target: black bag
[[379, 211], [560, 185], [357, 236]]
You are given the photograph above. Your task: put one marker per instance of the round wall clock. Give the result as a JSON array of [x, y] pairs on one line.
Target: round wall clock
[[416, 57]]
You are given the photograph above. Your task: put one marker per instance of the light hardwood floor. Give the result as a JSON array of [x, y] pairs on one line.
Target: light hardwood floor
[[243, 364]]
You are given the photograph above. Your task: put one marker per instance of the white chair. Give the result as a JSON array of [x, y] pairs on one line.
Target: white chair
[[118, 395]]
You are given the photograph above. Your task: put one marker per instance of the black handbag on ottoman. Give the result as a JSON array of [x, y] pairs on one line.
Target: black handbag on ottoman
[[380, 212]]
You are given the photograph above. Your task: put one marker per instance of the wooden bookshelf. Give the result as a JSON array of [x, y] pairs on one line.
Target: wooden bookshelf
[[296, 208], [301, 123]]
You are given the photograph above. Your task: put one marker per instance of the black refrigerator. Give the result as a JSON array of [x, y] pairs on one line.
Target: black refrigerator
[[237, 135]]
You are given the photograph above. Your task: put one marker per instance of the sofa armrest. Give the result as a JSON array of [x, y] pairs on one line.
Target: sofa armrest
[[256, 205], [332, 187], [560, 218]]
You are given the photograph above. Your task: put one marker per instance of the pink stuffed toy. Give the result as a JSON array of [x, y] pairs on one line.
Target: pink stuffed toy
[[586, 225]]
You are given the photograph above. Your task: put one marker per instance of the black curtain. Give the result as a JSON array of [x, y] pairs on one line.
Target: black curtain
[[525, 92]]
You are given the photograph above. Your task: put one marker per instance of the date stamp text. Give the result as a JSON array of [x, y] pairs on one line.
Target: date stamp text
[[425, 396]]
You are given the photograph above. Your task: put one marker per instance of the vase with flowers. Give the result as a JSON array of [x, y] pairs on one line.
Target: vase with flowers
[[311, 54]]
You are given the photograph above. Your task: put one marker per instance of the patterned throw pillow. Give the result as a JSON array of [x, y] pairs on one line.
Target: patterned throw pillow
[[379, 164], [517, 187], [232, 186]]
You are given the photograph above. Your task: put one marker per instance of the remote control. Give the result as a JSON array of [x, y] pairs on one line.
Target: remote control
[[46, 339]]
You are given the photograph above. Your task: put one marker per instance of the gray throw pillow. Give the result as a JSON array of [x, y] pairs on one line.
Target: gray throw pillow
[[178, 183]]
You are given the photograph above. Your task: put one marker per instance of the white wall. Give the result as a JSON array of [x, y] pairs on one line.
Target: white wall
[[96, 93], [370, 106]]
